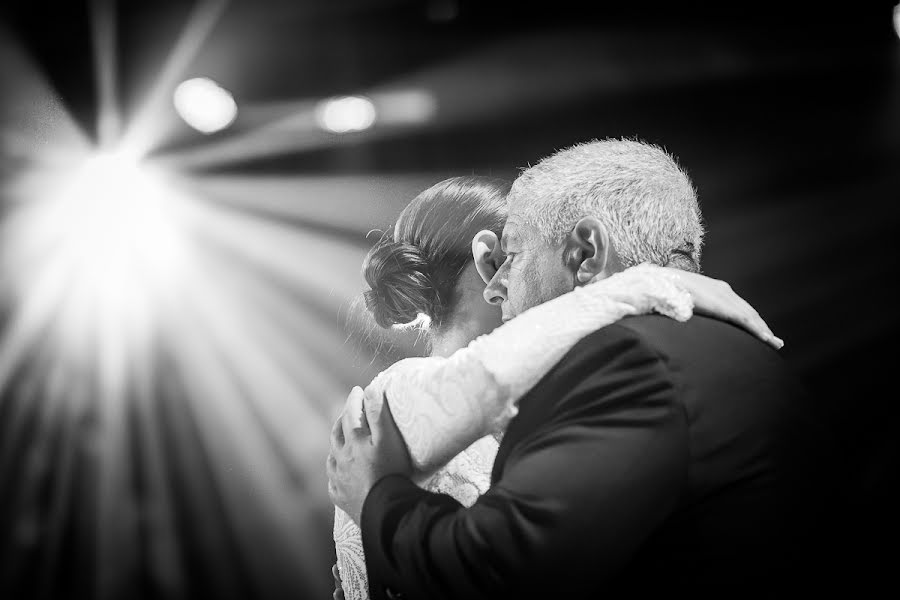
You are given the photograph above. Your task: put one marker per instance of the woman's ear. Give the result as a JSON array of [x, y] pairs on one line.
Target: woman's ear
[[485, 252], [587, 250]]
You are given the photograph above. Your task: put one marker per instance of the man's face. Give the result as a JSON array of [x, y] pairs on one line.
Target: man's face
[[532, 273]]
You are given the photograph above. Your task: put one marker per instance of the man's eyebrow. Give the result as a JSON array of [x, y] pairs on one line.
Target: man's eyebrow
[[506, 239]]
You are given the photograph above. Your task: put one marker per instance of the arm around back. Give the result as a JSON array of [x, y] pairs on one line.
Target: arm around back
[[597, 458]]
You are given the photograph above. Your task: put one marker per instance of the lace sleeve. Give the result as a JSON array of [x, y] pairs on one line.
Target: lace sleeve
[[442, 405]]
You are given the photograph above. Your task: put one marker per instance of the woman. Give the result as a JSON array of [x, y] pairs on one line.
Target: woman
[[452, 407]]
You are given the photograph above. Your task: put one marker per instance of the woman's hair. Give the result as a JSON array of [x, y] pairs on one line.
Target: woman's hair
[[416, 269]]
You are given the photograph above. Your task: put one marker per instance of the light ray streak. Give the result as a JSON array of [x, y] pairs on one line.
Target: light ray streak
[[269, 281], [276, 248], [355, 203], [104, 47], [262, 420], [245, 310], [64, 473], [142, 133], [550, 70], [293, 134], [233, 380], [259, 368], [309, 345], [290, 128], [351, 203], [164, 544], [35, 126], [478, 86], [194, 469]]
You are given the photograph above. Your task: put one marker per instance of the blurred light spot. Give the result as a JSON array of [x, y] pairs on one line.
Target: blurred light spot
[[349, 113], [897, 19], [204, 105], [405, 106]]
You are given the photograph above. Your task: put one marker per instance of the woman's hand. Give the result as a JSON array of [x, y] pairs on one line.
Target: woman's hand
[[716, 298], [338, 590]]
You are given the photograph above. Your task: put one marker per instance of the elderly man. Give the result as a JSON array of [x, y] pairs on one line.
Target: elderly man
[[656, 457]]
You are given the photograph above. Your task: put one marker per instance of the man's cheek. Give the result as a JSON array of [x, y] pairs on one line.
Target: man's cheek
[[530, 286]]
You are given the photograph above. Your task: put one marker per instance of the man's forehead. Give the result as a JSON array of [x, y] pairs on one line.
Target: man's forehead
[[519, 230]]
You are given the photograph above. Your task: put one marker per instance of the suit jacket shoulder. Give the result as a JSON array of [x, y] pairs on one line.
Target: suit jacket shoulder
[[590, 375]]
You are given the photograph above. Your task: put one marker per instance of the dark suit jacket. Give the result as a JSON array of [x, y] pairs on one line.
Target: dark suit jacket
[[656, 456]]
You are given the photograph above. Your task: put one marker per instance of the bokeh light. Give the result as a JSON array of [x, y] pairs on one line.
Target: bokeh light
[[346, 114], [897, 19], [204, 104], [406, 106]]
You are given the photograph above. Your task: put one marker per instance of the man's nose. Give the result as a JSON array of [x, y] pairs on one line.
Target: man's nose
[[495, 291]]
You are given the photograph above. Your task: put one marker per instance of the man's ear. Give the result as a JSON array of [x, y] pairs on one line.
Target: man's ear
[[587, 250], [486, 253]]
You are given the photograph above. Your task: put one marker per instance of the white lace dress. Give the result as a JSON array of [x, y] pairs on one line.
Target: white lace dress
[[450, 410]]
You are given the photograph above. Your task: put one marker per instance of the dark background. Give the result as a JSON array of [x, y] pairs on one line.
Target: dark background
[[788, 120]]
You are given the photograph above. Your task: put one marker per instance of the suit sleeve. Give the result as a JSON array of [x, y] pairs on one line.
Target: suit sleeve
[[578, 495]]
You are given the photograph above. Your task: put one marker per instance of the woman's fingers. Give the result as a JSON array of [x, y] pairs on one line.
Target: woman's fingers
[[717, 298], [750, 319], [332, 492], [753, 320], [338, 588], [337, 432], [351, 418]]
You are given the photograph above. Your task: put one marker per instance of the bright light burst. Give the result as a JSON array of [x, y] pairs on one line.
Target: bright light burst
[[110, 265], [108, 229], [164, 336], [98, 253], [115, 224]]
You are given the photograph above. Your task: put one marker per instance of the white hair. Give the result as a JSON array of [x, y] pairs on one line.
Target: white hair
[[637, 190]]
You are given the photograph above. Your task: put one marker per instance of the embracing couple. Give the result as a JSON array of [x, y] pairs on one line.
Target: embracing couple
[[628, 429]]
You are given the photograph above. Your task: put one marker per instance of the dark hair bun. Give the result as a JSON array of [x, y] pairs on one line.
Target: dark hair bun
[[400, 282]]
